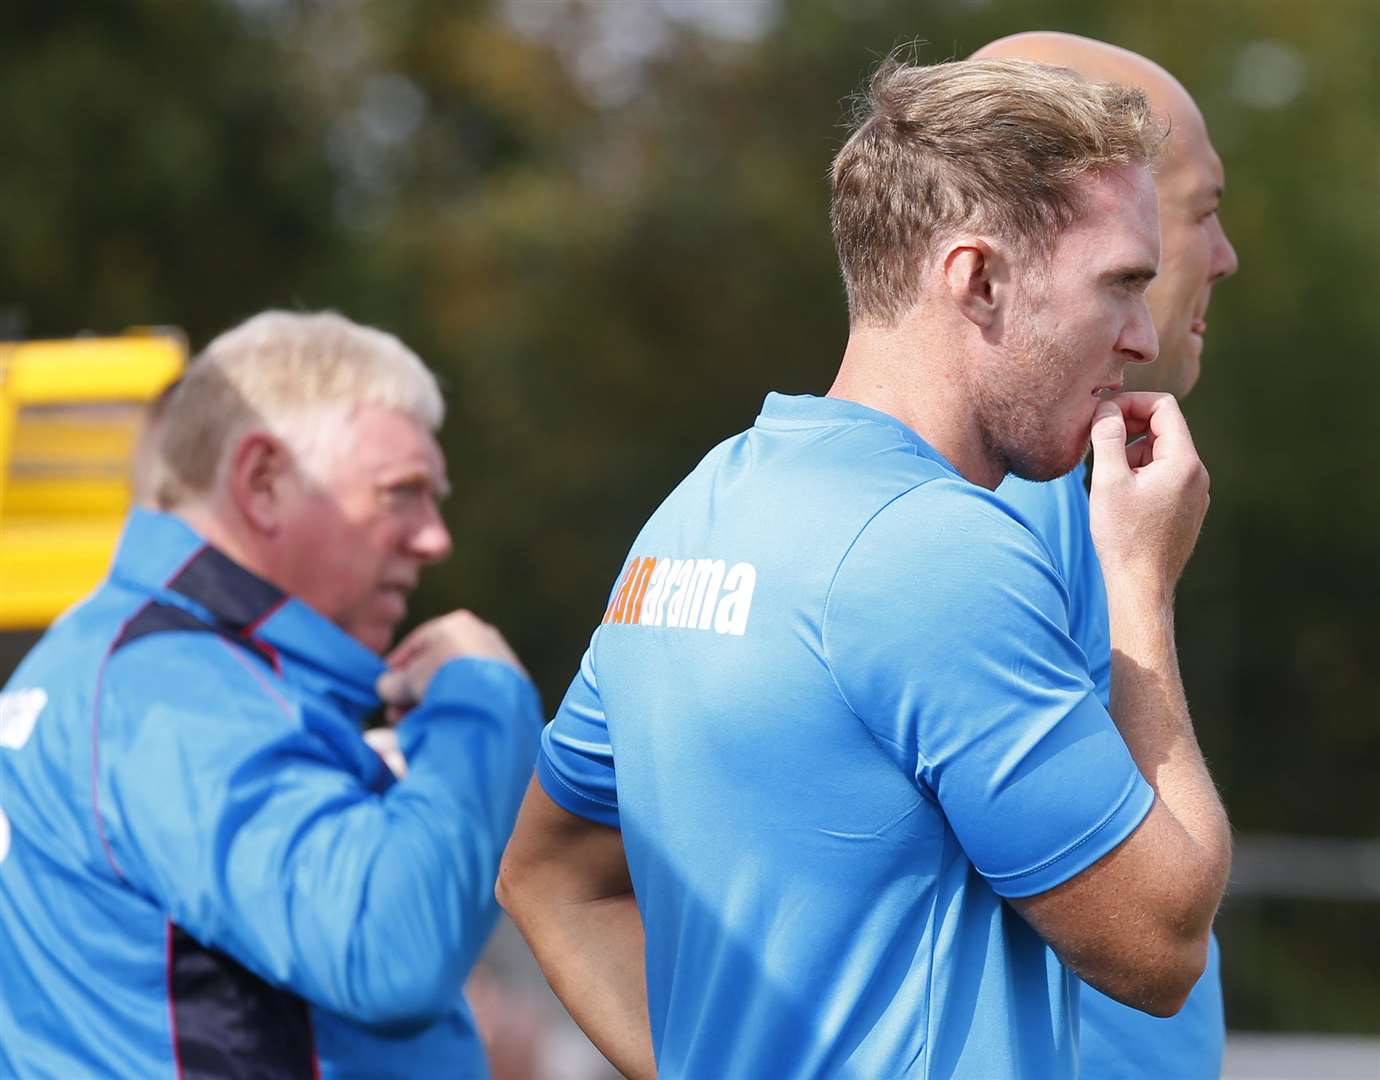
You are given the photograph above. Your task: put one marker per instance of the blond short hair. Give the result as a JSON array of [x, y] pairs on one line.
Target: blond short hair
[[296, 376], [995, 146]]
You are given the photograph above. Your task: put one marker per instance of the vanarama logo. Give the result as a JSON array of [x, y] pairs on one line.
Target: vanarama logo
[[694, 594]]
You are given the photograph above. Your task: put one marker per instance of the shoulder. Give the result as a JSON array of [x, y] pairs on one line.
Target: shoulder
[[1052, 509], [942, 553], [768, 486], [947, 516], [165, 657]]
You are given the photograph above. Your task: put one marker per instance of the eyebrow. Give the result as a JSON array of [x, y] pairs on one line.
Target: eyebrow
[[1132, 273], [439, 485]]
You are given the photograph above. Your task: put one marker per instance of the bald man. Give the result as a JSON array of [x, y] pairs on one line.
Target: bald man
[[1116, 1042]]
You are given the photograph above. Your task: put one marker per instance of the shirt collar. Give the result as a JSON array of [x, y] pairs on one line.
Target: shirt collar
[[785, 411]]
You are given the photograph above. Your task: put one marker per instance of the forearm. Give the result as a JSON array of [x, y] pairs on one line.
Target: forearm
[[565, 883], [592, 955], [470, 747], [394, 899], [1151, 712], [379, 905], [1135, 923], [473, 738]]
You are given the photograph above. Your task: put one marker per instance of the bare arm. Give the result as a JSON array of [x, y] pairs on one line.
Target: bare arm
[[1136, 923], [564, 882]]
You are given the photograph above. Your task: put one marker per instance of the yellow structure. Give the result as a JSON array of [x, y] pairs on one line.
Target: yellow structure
[[70, 413]]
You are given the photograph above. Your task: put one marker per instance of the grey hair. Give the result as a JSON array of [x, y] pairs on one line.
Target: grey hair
[[296, 376]]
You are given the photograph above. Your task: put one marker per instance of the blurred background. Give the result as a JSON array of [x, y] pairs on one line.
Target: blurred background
[[605, 225]]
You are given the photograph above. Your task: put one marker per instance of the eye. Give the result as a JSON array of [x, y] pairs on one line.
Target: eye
[[405, 492]]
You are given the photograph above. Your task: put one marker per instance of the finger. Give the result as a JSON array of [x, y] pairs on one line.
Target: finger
[[1136, 426], [1109, 443], [1140, 453], [402, 651], [381, 739], [395, 688], [409, 647], [1160, 415], [1170, 430], [388, 686], [1138, 405]]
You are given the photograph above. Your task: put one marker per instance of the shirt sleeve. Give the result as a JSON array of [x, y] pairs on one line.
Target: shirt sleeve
[[1057, 512], [575, 766], [946, 629], [223, 802]]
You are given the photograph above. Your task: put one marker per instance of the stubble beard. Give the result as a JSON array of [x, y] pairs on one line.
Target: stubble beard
[[1015, 409]]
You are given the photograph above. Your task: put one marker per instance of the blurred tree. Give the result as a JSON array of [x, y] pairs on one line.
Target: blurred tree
[[158, 167]]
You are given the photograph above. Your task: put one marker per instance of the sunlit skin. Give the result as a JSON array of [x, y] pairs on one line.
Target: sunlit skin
[[1002, 359], [1075, 329], [1195, 252], [360, 538], [350, 538], [1002, 362]]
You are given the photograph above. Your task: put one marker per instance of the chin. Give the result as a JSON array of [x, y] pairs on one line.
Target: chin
[[1049, 462], [1187, 380], [376, 638], [1174, 372], [1044, 468], [1043, 474]]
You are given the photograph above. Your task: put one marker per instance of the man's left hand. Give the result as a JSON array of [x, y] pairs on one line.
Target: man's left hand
[[418, 656]]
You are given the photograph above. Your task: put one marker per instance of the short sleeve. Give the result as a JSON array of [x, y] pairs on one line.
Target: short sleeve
[[575, 767], [946, 629], [1057, 512]]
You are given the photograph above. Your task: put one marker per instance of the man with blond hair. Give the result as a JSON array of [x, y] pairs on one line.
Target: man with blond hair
[[206, 871], [1115, 1042], [833, 793]]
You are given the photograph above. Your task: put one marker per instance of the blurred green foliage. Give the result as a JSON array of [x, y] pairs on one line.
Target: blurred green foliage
[[605, 225]]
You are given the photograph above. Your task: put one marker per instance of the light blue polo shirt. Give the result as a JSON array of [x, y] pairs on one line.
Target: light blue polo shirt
[[834, 707], [1117, 1042]]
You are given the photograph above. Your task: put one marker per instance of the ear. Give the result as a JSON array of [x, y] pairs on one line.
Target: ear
[[975, 274], [260, 469]]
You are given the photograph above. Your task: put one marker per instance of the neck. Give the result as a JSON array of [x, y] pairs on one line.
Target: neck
[[223, 536], [921, 379]]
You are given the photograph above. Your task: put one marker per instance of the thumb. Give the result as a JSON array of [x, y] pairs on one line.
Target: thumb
[[395, 688], [1109, 443]]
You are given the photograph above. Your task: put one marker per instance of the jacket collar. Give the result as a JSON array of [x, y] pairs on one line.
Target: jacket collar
[[160, 554]]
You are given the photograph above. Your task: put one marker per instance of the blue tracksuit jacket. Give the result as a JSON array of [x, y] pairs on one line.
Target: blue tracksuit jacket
[[205, 871]]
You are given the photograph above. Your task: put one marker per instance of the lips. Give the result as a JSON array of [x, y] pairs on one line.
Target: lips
[[393, 601], [400, 590], [1198, 326]]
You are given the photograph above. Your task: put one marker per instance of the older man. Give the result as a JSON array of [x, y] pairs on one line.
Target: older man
[[207, 871], [833, 773], [1118, 1043]]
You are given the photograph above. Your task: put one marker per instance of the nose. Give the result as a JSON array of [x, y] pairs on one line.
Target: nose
[[1224, 262], [1139, 343], [430, 539]]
